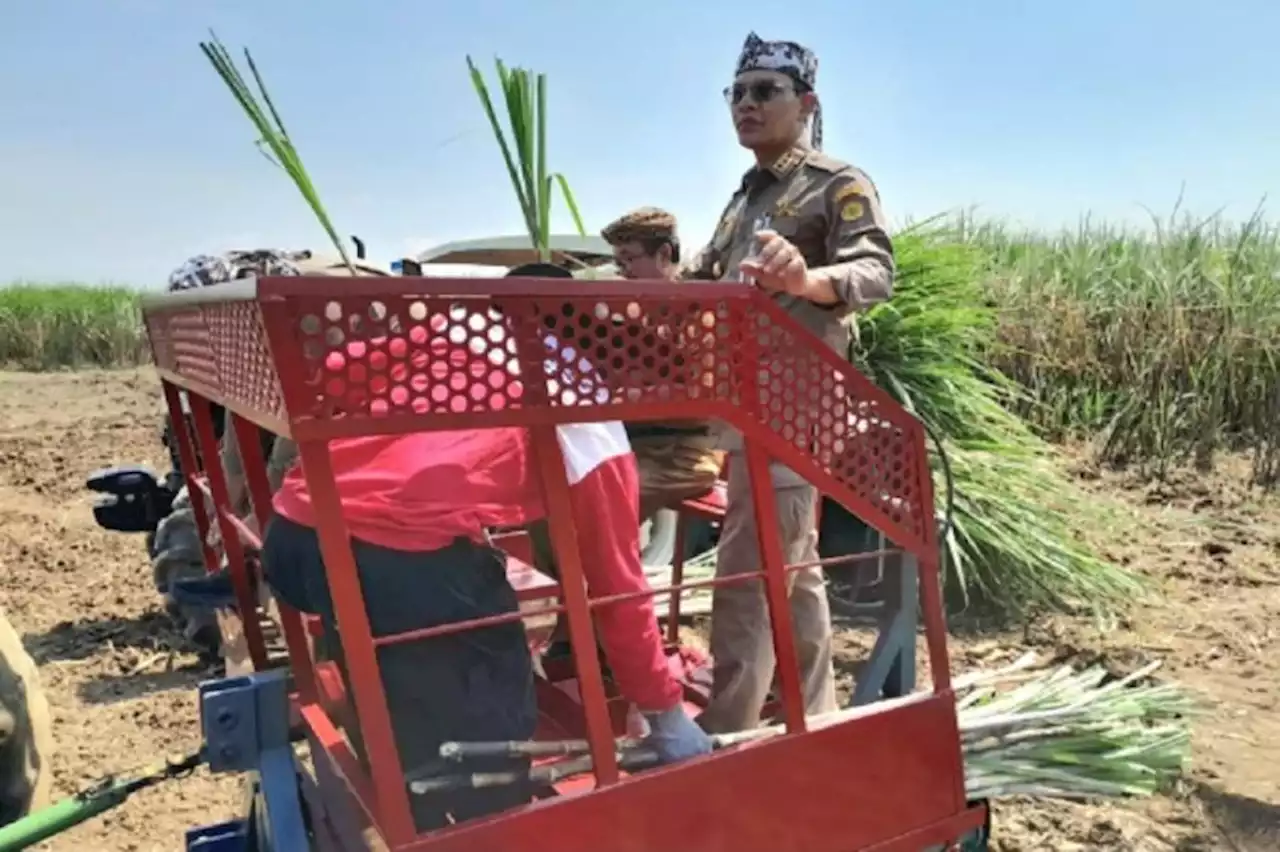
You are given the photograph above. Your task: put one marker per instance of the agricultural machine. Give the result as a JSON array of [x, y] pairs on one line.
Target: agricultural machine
[[318, 358]]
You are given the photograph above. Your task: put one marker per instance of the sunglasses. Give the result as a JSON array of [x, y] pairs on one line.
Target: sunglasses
[[761, 91]]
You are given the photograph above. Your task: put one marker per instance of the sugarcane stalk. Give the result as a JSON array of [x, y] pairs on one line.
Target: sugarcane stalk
[[550, 773], [1063, 735], [460, 751]]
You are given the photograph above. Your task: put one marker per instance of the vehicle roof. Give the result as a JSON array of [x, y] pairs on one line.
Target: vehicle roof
[[513, 251]]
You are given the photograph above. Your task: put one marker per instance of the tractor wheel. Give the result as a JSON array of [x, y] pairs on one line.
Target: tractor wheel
[[26, 738]]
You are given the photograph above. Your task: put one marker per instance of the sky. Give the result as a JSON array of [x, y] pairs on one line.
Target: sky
[[122, 153]]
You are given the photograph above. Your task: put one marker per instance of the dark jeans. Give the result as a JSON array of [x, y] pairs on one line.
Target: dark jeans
[[840, 533], [469, 686]]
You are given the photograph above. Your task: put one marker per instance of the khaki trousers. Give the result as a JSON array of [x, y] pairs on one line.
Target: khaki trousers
[[741, 640]]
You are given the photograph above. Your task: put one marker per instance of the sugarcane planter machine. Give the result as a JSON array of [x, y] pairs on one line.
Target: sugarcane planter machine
[[317, 359]]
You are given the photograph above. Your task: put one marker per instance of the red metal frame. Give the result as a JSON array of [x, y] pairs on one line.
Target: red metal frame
[[323, 358]]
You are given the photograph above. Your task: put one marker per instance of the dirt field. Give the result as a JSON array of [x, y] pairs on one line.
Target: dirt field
[[121, 681]]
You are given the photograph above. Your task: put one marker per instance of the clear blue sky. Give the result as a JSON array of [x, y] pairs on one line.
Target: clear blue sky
[[121, 153]]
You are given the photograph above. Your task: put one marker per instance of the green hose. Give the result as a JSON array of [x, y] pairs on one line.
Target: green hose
[[68, 813], [60, 816]]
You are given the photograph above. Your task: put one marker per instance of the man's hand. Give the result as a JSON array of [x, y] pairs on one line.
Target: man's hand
[[777, 265]]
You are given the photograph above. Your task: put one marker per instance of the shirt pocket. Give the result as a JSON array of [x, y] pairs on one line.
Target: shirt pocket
[[807, 232]]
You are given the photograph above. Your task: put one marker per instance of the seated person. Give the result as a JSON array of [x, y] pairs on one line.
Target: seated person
[[677, 460], [417, 508], [674, 460]]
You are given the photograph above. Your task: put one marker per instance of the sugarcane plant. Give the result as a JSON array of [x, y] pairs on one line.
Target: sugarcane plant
[[523, 143], [1014, 543], [273, 140]]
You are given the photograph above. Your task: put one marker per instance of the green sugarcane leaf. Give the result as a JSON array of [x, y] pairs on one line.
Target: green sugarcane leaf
[[273, 136], [482, 91], [544, 180], [572, 204]]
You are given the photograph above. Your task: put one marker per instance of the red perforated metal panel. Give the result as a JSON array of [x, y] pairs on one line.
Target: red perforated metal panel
[[378, 358], [401, 348], [322, 357], [220, 349]]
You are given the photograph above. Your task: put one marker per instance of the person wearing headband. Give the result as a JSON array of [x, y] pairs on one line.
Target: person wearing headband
[[808, 229]]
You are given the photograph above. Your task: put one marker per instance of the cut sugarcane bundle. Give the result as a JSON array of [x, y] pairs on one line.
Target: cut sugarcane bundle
[[1074, 734], [1064, 733]]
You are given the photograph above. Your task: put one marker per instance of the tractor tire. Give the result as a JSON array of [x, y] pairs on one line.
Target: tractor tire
[[26, 735]]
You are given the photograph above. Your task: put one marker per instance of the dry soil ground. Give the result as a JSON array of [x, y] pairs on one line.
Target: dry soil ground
[[121, 681]]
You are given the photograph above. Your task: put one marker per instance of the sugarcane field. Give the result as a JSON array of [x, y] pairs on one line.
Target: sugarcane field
[[896, 523]]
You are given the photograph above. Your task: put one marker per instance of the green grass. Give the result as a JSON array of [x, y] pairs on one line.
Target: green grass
[[58, 326]]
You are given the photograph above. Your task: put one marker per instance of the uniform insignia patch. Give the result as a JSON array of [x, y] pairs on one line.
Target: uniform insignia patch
[[785, 210], [848, 190], [853, 210]]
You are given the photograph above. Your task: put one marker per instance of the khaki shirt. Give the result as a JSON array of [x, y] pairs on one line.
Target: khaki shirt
[[831, 212]]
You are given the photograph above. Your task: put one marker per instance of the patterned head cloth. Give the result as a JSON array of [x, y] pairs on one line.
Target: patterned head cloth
[[785, 57], [205, 270]]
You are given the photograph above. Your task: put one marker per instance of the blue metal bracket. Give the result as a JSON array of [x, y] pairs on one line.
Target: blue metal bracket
[[230, 836], [246, 729], [890, 670]]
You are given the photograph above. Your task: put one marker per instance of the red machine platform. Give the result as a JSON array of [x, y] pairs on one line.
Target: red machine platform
[[321, 358]]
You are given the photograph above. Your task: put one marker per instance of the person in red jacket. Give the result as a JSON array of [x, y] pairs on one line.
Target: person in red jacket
[[417, 508]]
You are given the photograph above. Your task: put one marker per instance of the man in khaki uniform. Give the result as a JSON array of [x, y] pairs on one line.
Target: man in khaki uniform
[[808, 229], [677, 460]]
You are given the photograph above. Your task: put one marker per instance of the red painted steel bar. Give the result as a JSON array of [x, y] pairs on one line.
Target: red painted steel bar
[[190, 470], [573, 591], [363, 671], [786, 661], [592, 604], [248, 536], [207, 439], [295, 636]]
